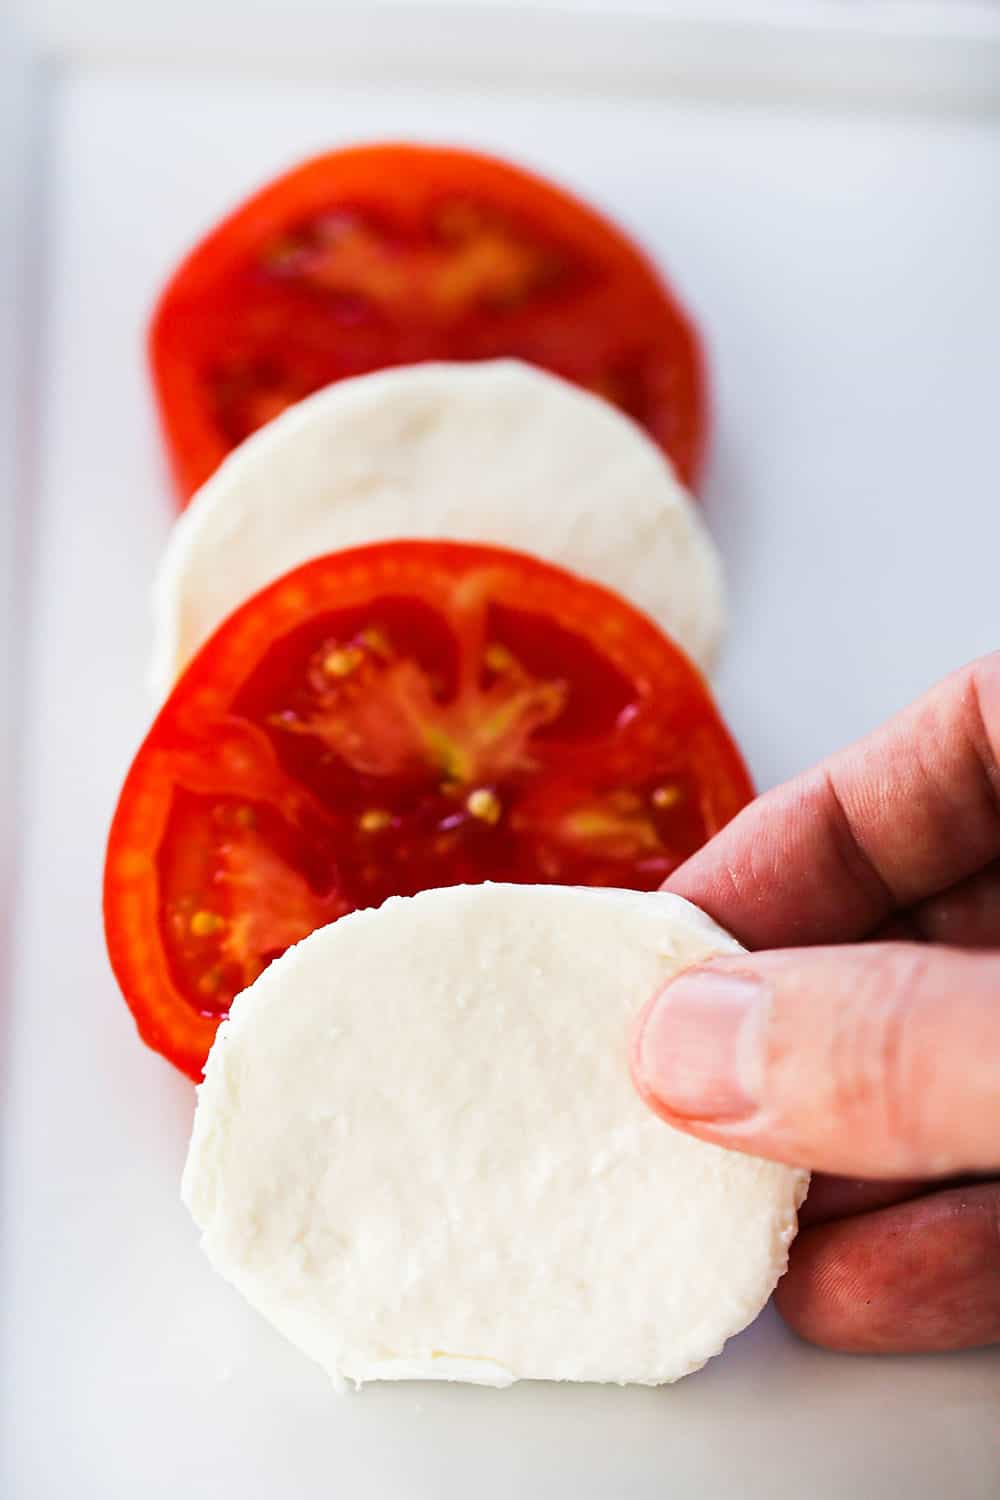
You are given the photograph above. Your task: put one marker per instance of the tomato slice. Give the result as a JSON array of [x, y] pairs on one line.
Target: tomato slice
[[382, 720], [389, 255]]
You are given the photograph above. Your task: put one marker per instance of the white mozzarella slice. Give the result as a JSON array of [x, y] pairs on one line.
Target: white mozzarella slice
[[418, 1152], [495, 452]]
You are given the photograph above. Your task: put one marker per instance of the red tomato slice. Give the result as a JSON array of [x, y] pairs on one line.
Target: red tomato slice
[[386, 719], [389, 255]]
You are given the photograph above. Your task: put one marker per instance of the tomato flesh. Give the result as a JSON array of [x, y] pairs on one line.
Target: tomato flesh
[[389, 719], [390, 255]]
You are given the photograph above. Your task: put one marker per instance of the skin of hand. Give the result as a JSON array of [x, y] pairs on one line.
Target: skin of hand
[[861, 1034]]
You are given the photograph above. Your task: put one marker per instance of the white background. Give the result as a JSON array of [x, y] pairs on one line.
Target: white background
[[841, 259]]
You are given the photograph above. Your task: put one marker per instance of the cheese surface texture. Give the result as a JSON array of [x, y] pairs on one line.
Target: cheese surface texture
[[417, 1150], [495, 452]]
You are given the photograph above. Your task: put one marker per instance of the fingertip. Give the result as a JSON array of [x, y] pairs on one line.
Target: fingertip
[[688, 1055], [920, 1276]]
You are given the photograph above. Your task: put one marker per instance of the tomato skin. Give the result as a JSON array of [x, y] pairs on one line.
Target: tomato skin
[[615, 328], [385, 719]]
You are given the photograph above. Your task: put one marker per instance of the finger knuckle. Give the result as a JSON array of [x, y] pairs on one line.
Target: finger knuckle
[[878, 1076]]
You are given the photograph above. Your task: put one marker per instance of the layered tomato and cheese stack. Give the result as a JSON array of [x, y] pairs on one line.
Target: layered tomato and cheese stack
[[437, 627]]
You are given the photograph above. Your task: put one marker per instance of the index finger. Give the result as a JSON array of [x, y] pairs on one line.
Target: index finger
[[898, 817]]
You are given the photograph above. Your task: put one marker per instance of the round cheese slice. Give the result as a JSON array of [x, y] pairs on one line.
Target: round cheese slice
[[495, 452], [418, 1151]]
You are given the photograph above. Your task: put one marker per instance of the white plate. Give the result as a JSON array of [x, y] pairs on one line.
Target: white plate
[[843, 266]]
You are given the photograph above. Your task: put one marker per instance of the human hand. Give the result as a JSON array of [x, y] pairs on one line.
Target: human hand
[[875, 1061]]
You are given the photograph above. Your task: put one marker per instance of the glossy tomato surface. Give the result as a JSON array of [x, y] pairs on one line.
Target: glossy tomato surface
[[387, 719], [389, 255]]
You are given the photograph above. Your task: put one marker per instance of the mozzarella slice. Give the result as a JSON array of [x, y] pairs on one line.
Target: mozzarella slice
[[418, 1152], [495, 452]]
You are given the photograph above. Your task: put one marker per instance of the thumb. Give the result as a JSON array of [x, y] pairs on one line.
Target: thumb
[[880, 1060]]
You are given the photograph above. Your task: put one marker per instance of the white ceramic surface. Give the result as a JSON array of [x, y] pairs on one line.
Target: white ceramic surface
[[843, 267]]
